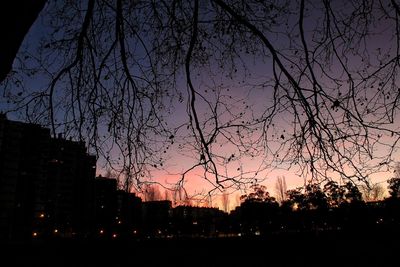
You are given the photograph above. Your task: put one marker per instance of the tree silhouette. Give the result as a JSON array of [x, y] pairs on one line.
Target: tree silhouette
[[259, 194], [372, 191], [151, 192], [334, 193], [258, 211], [311, 197], [316, 198], [331, 195], [295, 200], [225, 201], [352, 193], [311, 86], [281, 189], [394, 187], [394, 183]]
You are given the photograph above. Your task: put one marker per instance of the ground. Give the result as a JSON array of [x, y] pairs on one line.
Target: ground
[[322, 249]]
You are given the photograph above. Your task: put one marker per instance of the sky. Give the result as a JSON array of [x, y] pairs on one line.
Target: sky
[[241, 91]]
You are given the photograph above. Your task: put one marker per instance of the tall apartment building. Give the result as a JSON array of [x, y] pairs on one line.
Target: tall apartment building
[[23, 150], [105, 206], [117, 213], [69, 190], [45, 183]]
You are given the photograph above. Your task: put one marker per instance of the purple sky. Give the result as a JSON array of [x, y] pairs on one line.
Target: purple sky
[[242, 92]]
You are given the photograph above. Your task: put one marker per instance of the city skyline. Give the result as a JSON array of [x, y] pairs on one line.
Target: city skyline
[[53, 204], [200, 132]]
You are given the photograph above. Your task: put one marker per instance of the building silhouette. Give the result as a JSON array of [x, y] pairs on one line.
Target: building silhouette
[[128, 222], [105, 206], [45, 183], [116, 213], [191, 221], [23, 178], [48, 190], [156, 218], [69, 191]]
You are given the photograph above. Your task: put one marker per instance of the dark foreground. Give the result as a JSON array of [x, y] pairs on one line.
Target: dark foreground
[[322, 249]]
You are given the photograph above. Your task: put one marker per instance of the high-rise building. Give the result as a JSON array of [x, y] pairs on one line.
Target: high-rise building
[[105, 206], [23, 167], [45, 183], [70, 177], [129, 214]]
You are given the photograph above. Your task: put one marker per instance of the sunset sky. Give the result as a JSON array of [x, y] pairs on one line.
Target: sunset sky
[[241, 92]]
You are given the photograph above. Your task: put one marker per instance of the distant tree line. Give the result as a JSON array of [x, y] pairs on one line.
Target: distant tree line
[[314, 209]]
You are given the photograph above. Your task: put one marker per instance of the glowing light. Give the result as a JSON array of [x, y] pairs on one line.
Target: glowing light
[[134, 232], [101, 231], [34, 234], [55, 231], [119, 222], [41, 215], [114, 235]]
